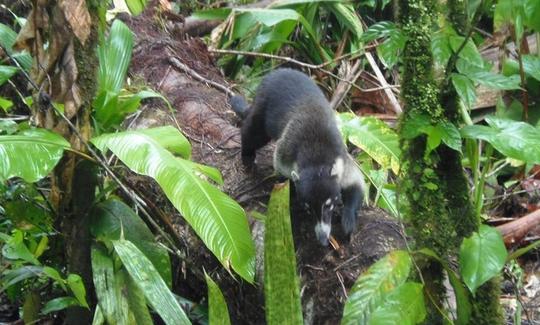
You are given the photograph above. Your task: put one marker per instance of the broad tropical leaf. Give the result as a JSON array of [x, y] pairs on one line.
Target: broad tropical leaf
[[347, 16], [147, 278], [171, 139], [113, 217], [516, 140], [217, 219], [281, 284], [376, 138], [495, 80], [137, 303], [404, 306], [136, 6], [112, 302], [59, 304], [481, 257], [76, 285], [31, 154], [372, 287], [218, 312], [114, 57], [6, 72], [465, 89]]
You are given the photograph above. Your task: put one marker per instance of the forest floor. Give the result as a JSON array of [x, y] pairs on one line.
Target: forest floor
[[176, 68], [181, 68]]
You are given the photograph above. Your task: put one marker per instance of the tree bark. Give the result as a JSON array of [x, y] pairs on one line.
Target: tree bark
[[65, 71]]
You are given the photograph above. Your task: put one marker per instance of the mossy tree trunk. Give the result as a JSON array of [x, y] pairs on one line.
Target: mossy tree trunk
[[430, 223], [485, 304], [65, 72], [440, 210]]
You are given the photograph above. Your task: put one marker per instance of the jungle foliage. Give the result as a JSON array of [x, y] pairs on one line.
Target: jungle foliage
[[131, 269]]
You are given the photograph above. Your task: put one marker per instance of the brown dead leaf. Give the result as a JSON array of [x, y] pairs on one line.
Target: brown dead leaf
[[78, 17]]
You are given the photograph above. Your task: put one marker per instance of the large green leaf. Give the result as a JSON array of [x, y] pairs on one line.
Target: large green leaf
[[376, 138], [373, 286], [147, 278], [6, 72], [465, 89], [137, 303], [347, 16], [171, 139], [531, 65], [404, 306], [440, 46], [76, 285], [270, 17], [111, 108], [481, 257], [16, 249], [136, 6], [114, 57], [7, 37], [217, 219], [218, 312], [389, 51], [112, 302], [112, 218], [281, 285], [378, 30], [59, 304], [468, 52], [516, 140], [495, 80], [31, 154]]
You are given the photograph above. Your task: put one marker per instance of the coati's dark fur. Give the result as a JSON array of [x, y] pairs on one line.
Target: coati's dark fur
[[289, 108]]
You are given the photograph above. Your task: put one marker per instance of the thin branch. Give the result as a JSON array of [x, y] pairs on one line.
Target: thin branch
[[294, 61], [175, 62], [343, 87], [396, 107]]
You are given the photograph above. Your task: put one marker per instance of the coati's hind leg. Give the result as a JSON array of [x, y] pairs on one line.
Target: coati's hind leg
[[253, 137]]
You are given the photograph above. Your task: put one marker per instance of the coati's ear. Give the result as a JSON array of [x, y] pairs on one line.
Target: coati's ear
[[337, 167], [294, 176]]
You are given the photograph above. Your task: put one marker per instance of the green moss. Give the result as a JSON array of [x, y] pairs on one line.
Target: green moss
[[486, 307]]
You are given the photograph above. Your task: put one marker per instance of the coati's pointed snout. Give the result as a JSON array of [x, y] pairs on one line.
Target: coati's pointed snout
[[322, 231]]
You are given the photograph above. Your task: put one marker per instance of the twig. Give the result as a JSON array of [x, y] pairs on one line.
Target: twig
[[396, 107], [344, 86], [291, 60], [174, 61], [346, 262], [15, 118], [340, 279]]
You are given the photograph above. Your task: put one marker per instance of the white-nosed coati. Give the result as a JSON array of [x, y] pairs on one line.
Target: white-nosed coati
[[289, 108]]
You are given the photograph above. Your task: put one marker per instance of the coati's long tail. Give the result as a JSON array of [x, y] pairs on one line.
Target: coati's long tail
[[239, 106]]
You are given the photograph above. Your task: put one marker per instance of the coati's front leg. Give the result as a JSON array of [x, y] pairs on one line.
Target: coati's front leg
[[352, 198], [352, 194]]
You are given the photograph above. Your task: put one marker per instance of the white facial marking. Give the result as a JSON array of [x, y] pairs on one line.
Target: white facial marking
[[294, 176], [331, 207], [328, 202], [338, 168], [323, 228]]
